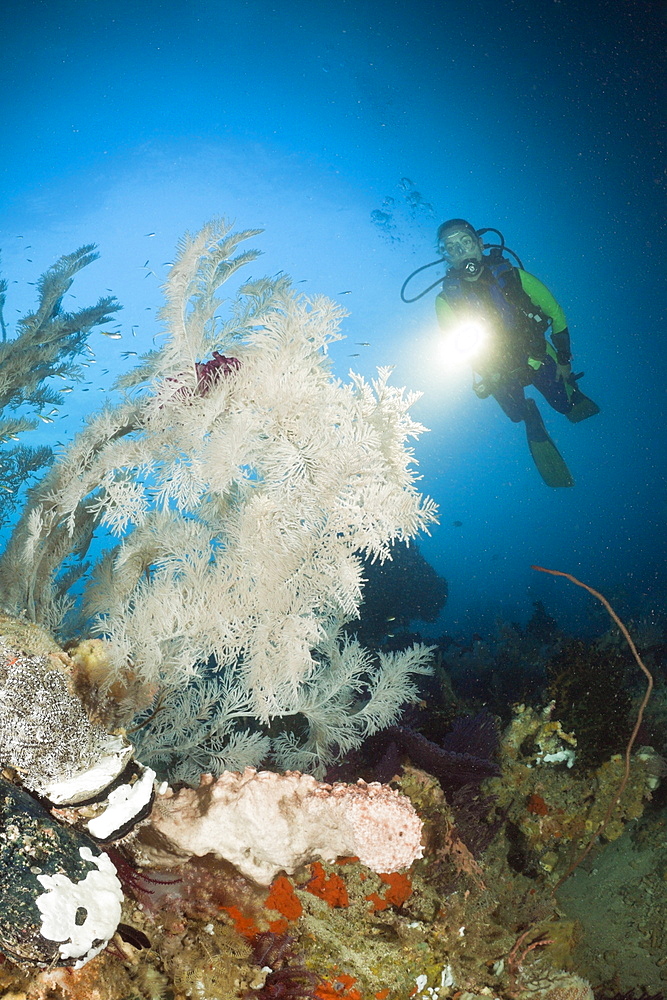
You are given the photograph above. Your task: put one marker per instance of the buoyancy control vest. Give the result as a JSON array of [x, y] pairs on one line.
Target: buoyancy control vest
[[519, 327]]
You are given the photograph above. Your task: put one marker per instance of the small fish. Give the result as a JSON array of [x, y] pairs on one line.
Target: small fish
[[146, 264], [457, 524], [47, 420], [392, 618], [65, 388], [148, 235], [111, 335], [128, 354], [348, 292], [354, 355], [362, 343]]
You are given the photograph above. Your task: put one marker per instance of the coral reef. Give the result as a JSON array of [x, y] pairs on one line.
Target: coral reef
[[591, 696], [551, 810], [453, 923], [238, 491], [464, 756]]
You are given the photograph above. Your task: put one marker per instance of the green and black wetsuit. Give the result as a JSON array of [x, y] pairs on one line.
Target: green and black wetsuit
[[519, 310]]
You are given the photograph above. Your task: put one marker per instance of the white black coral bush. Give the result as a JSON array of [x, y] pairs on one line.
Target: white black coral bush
[[244, 482]]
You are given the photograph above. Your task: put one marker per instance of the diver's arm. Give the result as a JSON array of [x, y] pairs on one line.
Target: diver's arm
[[540, 296]]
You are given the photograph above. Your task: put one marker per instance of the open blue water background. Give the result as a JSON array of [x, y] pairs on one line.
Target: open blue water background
[[125, 124]]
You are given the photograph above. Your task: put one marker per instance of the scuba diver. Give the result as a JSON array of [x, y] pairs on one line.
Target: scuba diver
[[510, 312]]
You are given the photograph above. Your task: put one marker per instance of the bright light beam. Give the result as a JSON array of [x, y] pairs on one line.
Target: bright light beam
[[463, 342]]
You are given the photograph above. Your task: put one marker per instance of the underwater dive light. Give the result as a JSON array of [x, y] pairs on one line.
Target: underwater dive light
[[464, 341]]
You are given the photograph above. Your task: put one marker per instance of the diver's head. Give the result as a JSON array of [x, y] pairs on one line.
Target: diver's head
[[459, 243]]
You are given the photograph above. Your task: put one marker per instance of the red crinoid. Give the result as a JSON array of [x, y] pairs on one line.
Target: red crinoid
[[218, 365]]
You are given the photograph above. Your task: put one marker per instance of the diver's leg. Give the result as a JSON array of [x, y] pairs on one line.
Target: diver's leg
[[554, 390], [565, 397], [511, 397]]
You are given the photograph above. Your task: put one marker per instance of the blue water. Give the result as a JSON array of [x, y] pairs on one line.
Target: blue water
[[126, 124]]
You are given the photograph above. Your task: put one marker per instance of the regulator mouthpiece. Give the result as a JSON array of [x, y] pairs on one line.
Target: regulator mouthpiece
[[472, 267]]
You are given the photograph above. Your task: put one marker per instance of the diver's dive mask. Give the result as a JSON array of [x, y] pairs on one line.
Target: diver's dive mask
[[463, 251]]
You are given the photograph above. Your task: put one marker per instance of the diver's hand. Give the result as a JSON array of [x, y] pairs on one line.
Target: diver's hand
[[564, 371]]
